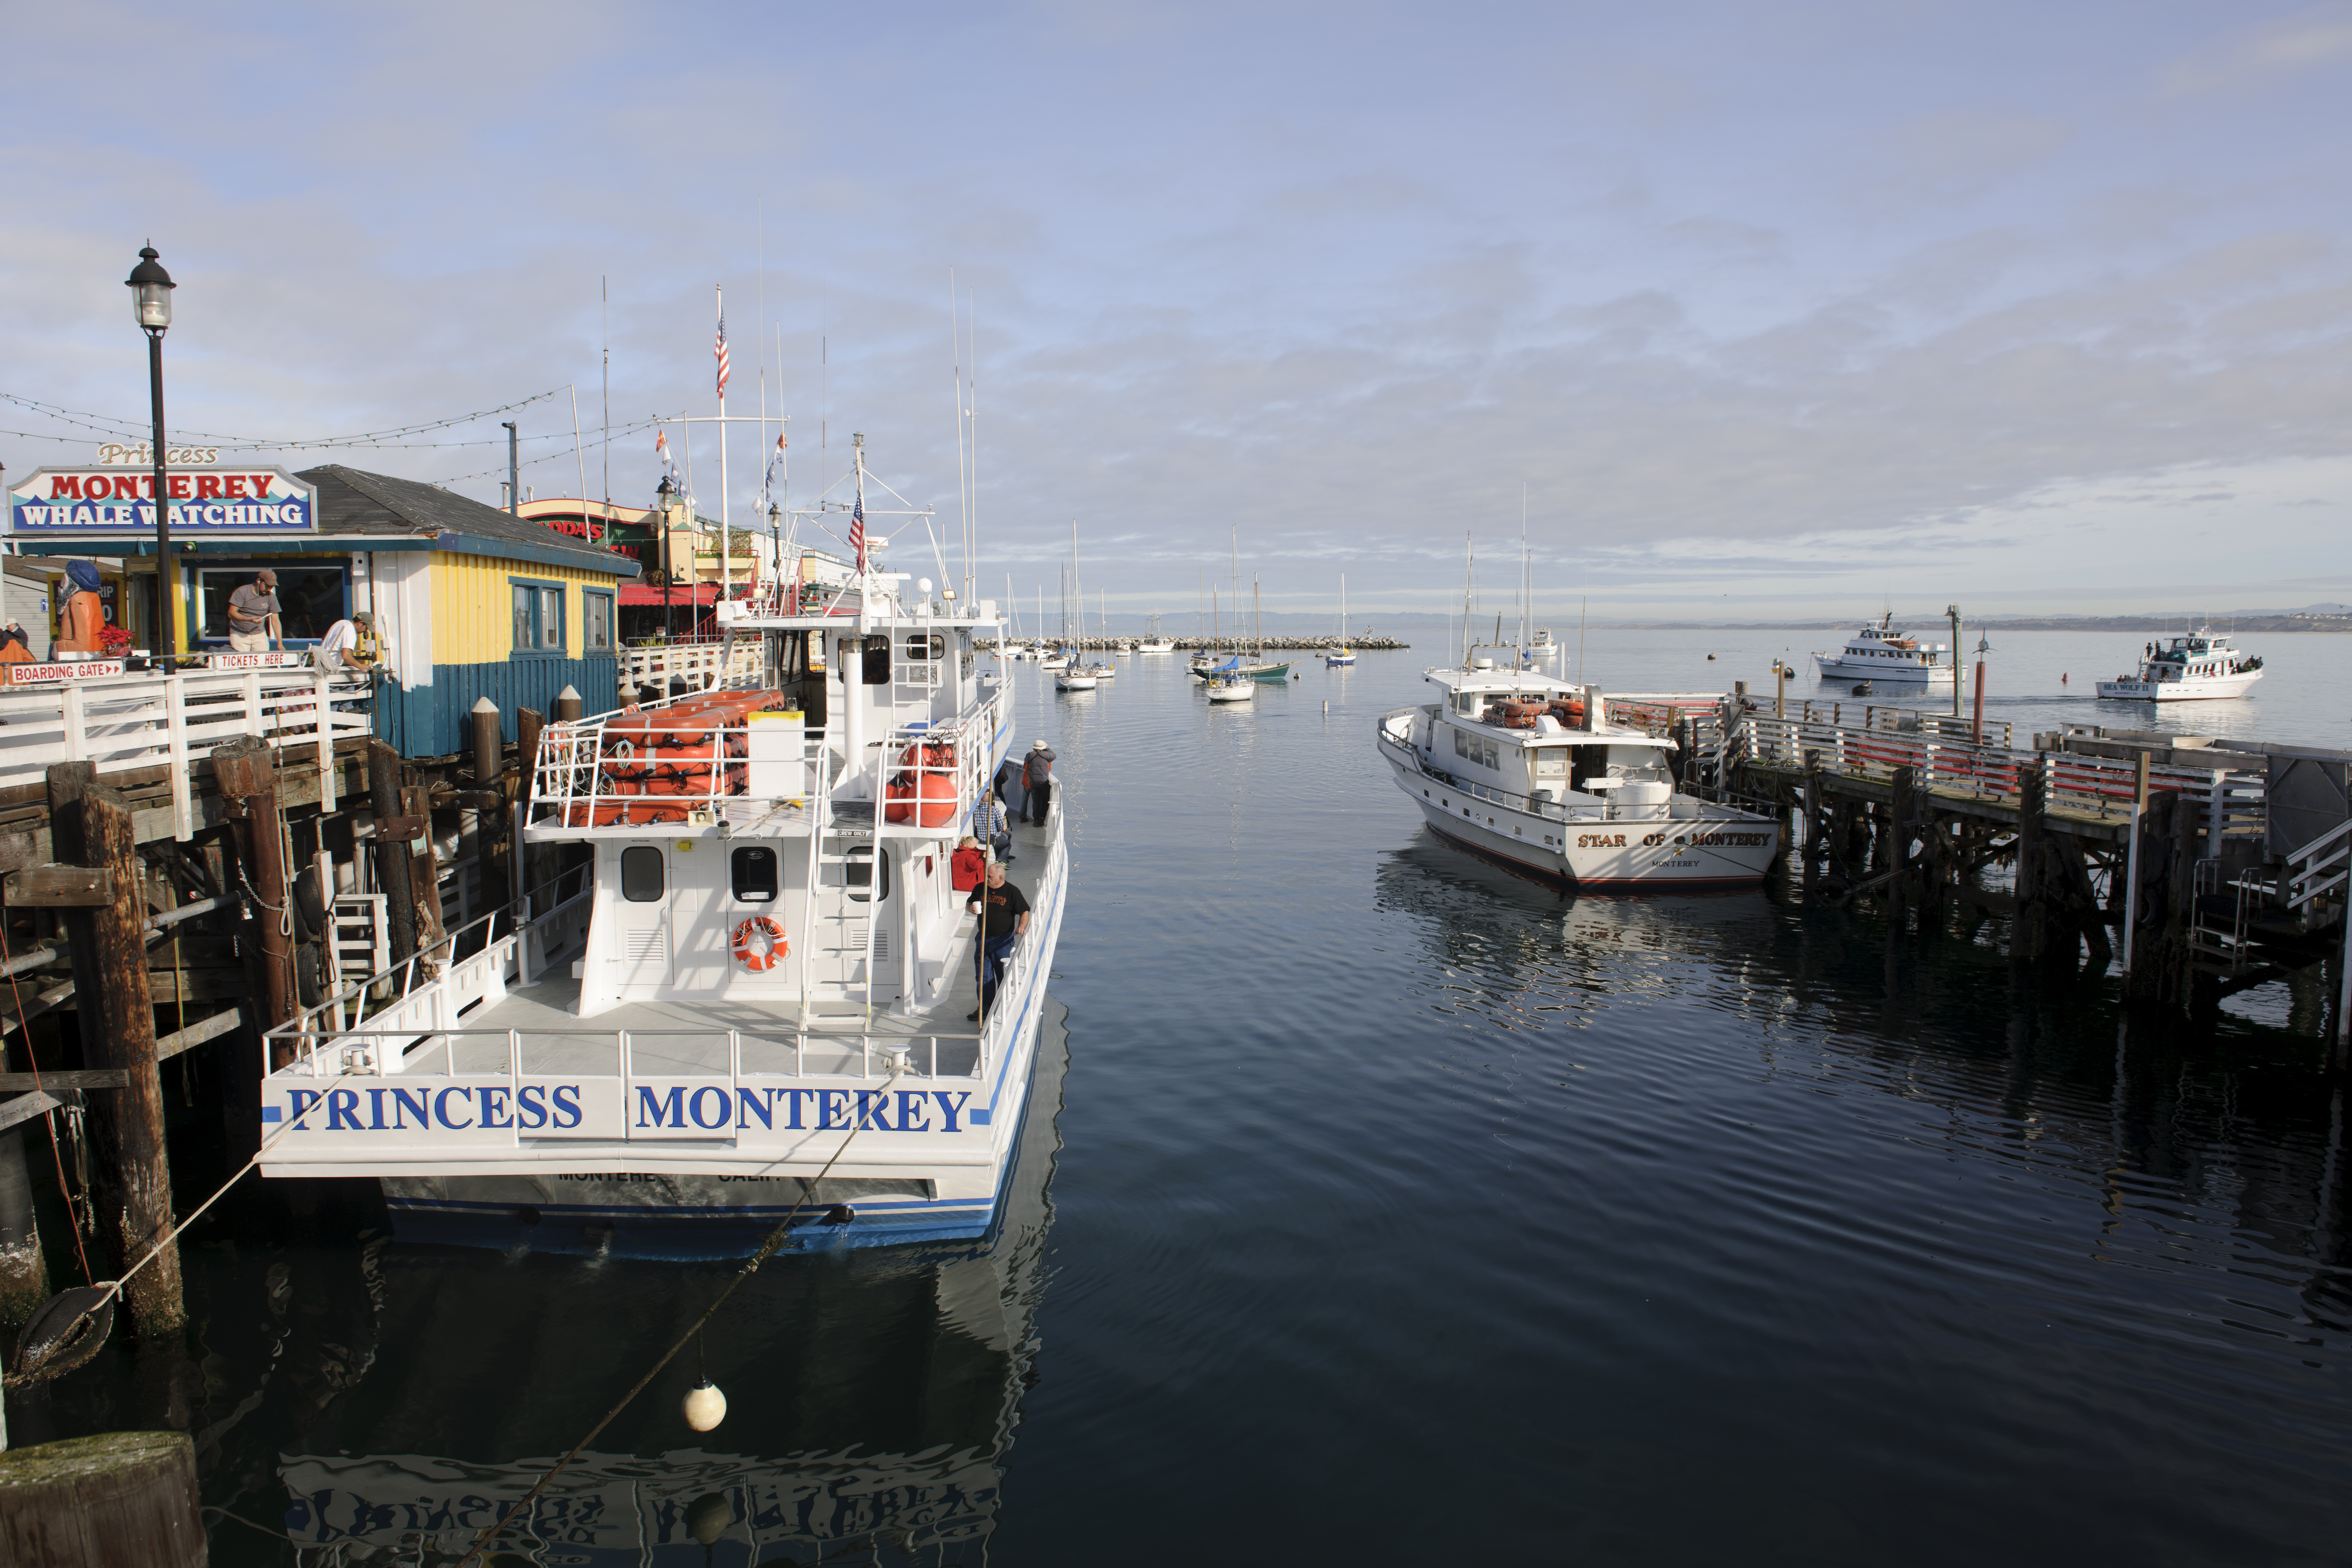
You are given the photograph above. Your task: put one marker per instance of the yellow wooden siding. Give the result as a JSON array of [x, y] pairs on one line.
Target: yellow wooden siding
[[473, 605]]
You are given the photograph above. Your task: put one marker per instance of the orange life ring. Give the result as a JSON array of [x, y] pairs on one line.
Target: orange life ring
[[753, 959]]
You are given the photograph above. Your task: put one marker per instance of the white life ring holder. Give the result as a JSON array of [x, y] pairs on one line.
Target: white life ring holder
[[757, 961]]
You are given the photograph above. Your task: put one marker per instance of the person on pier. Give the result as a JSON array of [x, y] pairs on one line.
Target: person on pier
[[253, 623]]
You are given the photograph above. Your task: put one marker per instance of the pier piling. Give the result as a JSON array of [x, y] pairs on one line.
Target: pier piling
[[393, 836], [118, 1497], [91, 826]]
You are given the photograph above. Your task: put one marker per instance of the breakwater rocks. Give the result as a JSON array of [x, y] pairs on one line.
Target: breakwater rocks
[[1241, 645]]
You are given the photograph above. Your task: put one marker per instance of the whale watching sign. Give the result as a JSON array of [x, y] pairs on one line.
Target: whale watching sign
[[106, 501]]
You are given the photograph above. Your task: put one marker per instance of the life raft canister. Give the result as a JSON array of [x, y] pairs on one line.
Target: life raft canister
[[746, 943]]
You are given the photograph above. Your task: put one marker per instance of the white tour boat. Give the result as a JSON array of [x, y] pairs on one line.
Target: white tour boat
[[1527, 773], [2187, 668], [1885, 652], [735, 990]]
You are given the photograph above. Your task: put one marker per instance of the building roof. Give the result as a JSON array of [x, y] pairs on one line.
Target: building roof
[[354, 502]]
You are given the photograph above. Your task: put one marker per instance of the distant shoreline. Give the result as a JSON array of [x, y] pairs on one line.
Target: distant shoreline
[[2264, 625]]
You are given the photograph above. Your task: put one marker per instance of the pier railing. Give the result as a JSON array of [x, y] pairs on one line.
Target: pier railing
[[136, 721], [2232, 798]]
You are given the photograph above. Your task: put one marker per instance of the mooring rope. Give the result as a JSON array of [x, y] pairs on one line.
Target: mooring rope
[[49, 1117], [768, 1249]]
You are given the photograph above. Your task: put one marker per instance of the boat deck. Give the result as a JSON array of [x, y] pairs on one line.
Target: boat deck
[[682, 1037]]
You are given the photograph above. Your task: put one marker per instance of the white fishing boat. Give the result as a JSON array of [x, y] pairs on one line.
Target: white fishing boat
[[1527, 773], [1885, 652], [734, 989], [1232, 687], [1153, 642], [1343, 656], [2198, 667]]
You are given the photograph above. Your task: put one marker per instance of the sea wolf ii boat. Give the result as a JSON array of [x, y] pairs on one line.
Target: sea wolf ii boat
[[738, 988], [2185, 669], [1529, 774]]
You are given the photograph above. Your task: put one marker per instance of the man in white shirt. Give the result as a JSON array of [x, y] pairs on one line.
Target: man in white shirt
[[348, 645]]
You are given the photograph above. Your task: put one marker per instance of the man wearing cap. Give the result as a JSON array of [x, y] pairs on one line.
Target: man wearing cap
[[348, 645], [1037, 774], [253, 623]]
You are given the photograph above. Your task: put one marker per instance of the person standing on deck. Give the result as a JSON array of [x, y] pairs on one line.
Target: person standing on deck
[[253, 623], [1037, 774], [1004, 919], [989, 827]]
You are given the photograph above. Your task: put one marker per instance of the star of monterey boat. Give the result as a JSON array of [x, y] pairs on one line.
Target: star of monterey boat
[[2188, 669], [737, 985], [1529, 772], [1886, 652]]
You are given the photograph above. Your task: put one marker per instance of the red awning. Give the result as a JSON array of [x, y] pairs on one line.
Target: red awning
[[679, 595]]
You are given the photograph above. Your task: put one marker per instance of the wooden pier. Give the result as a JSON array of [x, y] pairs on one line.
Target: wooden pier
[[2206, 866]]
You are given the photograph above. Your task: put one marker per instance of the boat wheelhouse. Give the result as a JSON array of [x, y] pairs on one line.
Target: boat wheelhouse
[[2199, 666], [1886, 652], [1529, 772], [735, 982]]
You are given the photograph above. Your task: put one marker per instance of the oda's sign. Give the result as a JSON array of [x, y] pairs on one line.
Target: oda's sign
[[99, 503]]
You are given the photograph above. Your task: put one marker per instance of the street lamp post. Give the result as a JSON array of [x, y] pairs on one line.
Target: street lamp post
[[662, 499], [151, 292]]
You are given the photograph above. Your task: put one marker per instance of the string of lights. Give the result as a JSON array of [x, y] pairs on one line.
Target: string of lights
[[104, 425]]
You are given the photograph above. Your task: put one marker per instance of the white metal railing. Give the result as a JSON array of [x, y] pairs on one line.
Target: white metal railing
[[917, 754], [659, 763], [118, 723]]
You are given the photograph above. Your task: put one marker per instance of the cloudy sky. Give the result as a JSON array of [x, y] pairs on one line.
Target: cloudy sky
[[1766, 310]]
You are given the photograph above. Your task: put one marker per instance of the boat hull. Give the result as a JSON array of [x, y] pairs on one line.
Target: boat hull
[[2213, 689], [1632, 853], [1888, 673]]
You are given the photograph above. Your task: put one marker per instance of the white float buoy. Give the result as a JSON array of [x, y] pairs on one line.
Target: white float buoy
[[705, 1408]]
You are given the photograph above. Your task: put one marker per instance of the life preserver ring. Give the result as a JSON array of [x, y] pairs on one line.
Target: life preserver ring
[[753, 959]]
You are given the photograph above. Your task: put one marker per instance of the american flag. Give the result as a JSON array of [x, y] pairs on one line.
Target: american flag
[[719, 351], [858, 532]]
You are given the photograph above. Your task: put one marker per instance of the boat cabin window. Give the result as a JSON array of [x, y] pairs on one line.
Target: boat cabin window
[[871, 656], [1478, 749], [753, 872], [859, 874], [641, 874], [925, 647]]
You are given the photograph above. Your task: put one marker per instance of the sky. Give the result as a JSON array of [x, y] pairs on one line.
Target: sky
[[1750, 311]]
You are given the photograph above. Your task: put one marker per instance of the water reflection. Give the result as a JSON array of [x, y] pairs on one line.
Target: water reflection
[[872, 1400], [2208, 1162]]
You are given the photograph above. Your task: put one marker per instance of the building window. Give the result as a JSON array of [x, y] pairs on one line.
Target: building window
[[641, 874], [595, 622], [753, 872], [537, 617], [310, 598]]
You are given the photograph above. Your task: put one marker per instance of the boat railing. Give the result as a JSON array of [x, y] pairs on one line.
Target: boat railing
[[925, 763], [664, 770], [704, 663]]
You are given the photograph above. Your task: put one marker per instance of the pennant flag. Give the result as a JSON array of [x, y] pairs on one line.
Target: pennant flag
[[768, 480], [719, 354]]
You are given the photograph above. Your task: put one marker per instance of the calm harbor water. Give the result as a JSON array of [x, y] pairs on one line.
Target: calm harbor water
[[1398, 1209]]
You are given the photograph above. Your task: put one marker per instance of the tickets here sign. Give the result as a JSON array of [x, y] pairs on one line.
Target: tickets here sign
[[277, 659]]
